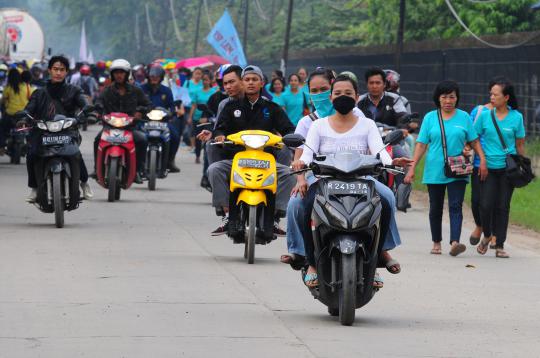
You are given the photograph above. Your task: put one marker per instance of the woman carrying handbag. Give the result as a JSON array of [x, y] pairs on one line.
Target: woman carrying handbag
[[443, 134], [497, 190]]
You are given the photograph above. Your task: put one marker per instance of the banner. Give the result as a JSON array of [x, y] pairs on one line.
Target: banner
[[224, 39]]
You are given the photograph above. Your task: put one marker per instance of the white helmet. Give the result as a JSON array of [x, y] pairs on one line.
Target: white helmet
[[120, 64]]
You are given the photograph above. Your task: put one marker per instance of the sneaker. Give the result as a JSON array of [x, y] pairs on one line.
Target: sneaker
[[87, 192], [138, 178], [31, 198], [223, 229], [205, 183], [173, 168], [279, 231]]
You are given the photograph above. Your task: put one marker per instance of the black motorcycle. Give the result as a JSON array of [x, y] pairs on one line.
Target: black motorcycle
[[346, 226], [157, 154], [16, 144], [57, 163]]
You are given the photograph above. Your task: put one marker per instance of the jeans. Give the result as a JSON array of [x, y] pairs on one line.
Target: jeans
[[176, 127], [456, 193], [299, 236], [496, 195]]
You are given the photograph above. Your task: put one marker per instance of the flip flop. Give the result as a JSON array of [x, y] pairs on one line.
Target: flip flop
[[436, 251], [474, 240], [393, 264], [296, 261], [501, 254], [311, 280], [457, 249], [483, 246], [287, 258], [378, 281]]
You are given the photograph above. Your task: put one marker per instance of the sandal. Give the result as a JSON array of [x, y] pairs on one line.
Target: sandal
[[501, 254], [457, 249], [483, 246], [435, 251], [296, 261], [378, 281], [393, 266], [474, 240], [311, 280]]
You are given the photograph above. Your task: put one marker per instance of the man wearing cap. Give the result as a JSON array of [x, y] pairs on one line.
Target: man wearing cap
[[252, 112]]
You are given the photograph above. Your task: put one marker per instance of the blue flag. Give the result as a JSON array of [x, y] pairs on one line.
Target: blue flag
[[224, 39]]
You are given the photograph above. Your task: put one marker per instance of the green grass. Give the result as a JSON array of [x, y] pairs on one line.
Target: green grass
[[525, 201]]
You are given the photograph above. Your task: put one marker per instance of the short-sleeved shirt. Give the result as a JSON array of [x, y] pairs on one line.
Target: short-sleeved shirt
[[474, 117], [278, 99], [294, 105], [193, 88], [201, 97], [511, 127], [16, 102], [459, 131]]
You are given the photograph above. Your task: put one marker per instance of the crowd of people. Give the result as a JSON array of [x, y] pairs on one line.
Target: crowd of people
[[324, 107]]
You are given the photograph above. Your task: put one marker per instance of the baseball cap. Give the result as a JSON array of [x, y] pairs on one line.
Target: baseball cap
[[252, 69]]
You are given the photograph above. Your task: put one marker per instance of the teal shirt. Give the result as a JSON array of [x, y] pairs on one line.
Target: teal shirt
[[201, 97], [511, 127], [294, 105], [459, 131], [278, 99], [193, 88]]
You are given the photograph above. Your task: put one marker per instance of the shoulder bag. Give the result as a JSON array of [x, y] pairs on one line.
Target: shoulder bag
[[454, 167]]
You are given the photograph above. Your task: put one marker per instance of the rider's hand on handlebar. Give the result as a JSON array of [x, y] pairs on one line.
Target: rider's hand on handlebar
[[219, 139], [205, 135], [298, 165], [402, 162]]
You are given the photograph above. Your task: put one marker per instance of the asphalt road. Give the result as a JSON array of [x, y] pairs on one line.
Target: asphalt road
[[143, 278]]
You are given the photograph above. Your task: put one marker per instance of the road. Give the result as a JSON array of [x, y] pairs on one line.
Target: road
[[143, 278]]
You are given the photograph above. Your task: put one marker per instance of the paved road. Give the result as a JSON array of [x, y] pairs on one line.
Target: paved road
[[142, 278]]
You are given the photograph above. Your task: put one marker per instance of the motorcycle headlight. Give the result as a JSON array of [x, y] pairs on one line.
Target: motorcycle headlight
[[270, 180], [68, 123], [237, 178], [335, 216], [254, 141], [55, 126], [42, 125]]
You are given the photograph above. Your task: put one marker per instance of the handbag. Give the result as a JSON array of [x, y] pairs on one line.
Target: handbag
[[454, 167], [518, 168]]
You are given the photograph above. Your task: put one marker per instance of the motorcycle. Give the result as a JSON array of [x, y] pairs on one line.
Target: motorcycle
[[57, 164], [346, 226], [253, 186], [16, 144], [116, 161], [157, 132]]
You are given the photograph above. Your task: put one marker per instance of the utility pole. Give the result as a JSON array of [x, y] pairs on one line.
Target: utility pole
[[401, 28], [197, 29], [285, 58], [246, 14]]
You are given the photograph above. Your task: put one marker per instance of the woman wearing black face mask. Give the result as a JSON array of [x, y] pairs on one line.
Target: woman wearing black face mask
[[345, 131]]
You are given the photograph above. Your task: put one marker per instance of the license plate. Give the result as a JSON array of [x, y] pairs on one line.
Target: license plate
[[155, 125], [115, 139], [56, 140], [345, 188], [254, 163]]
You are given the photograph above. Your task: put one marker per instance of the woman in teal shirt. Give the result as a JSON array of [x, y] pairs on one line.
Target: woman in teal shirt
[[459, 131], [197, 116], [496, 191], [294, 100], [277, 88]]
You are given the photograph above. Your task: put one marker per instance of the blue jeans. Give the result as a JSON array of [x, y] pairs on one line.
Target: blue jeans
[[297, 226], [456, 193]]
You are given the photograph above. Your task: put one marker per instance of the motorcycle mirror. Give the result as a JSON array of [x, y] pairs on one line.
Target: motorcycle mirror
[[394, 137], [293, 140]]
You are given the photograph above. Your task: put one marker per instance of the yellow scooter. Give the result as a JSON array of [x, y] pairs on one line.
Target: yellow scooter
[[253, 185]]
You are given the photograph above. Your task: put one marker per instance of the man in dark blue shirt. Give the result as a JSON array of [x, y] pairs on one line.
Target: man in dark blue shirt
[[161, 96]]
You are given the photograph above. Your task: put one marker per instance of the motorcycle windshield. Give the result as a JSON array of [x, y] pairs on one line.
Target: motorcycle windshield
[[349, 162]]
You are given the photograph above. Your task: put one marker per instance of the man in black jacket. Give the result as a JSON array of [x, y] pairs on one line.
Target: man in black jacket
[[123, 97], [249, 112], [56, 97]]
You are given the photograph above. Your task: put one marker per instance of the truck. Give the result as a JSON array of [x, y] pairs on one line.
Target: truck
[[21, 36]]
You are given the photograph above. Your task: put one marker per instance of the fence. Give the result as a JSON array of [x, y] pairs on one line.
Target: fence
[[425, 64]]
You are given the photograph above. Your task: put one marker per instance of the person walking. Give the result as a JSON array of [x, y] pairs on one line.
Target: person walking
[[504, 133], [444, 134]]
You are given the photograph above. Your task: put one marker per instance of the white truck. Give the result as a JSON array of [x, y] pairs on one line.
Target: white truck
[[21, 36]]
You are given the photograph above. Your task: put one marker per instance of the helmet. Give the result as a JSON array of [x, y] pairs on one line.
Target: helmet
[[120, 64], [85, 70], [108, 64], [156, 71], [3, 67], [221, 69], [349, 74], [392, 80], [101, 65]]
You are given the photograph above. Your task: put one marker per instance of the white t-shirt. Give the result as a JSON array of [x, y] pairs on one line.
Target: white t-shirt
[[363, 138]]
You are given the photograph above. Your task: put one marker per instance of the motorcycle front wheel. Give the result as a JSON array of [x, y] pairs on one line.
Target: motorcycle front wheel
[[113, 180], [58, 200], [250, 235], [152, 170], [347, 292]]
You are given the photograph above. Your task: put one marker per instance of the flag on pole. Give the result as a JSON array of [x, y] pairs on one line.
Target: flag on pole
[[224, 39], [83, 50]]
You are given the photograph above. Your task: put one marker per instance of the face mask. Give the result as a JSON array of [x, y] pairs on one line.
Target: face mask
[[344, 104], [322, 103]]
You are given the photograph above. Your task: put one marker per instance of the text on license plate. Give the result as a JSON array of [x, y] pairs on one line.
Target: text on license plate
[[117, 139], [254, 163], [61, 139], [336, 187]]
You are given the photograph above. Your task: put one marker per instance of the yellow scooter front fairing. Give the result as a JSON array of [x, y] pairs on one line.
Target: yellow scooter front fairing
[[254, 170]]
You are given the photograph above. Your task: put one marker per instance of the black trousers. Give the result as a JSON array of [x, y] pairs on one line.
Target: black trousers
[[141, 143], [496, 195], [475, 197]]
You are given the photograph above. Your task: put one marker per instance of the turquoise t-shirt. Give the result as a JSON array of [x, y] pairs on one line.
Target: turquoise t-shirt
[[474, 115], [459, 131], [193, 88], [511, 127], [278, 99], [294, 105], [201, 97]]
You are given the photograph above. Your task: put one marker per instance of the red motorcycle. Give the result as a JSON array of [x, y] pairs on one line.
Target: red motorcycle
[[116, 161]]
